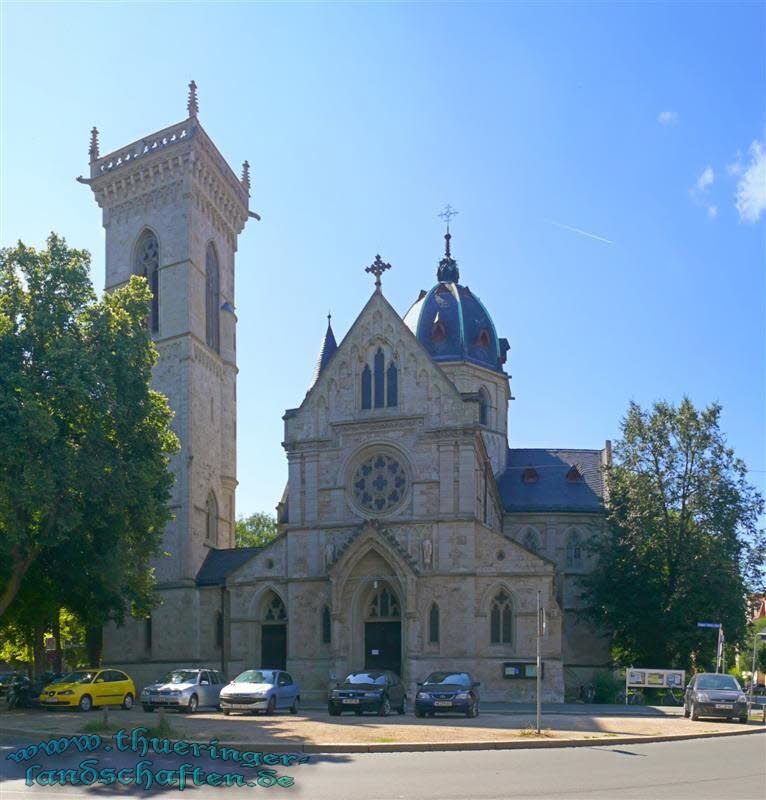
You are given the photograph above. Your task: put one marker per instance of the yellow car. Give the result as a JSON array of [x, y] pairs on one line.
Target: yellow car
[[86, 688]]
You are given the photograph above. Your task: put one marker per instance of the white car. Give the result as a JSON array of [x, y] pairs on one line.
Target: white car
[[261, 690], [184, 690]]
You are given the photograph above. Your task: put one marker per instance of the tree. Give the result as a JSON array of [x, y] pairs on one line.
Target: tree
[[84, 442], [682, 546], [257, 530]]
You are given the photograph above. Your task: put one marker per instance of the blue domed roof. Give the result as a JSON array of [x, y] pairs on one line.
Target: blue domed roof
[[452, 324]]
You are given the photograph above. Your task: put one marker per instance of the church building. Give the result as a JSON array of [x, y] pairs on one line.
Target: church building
[[412, 536]]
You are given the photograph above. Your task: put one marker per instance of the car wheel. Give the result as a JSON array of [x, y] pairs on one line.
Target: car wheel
[[193, 704], [694, 713], [127, 701], [686, 711], [418, 712], [294, 706], [403, 707], [226, 712], [358, 712], [743, 719], [385, 707], [333, 712], [271, 706], [148, 708], [85, 703], [473, 711]]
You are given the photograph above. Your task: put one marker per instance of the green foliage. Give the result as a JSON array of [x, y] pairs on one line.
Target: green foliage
[[683, 544], [84, 443], [606, 687], [256, 530]]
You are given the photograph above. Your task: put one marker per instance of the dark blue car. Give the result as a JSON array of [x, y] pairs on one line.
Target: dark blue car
[[447, 692]]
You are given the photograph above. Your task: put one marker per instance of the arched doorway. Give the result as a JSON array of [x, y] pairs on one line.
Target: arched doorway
[[383, 629], [273, 632]]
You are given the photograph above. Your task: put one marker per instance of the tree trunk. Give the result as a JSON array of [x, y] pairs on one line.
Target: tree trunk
[[94, 642], [38, 647], [57, 637]]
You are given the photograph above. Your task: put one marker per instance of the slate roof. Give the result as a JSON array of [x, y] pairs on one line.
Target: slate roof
[[326, 352], [552, 491], [219, 564]]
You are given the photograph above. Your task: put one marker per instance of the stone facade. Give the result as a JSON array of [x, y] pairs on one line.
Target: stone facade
[[410, 537]]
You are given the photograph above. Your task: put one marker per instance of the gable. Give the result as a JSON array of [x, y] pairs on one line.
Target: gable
[[423, 387]]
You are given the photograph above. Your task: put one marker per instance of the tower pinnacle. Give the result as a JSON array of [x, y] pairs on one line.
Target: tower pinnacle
[[191, 104], [93, 149]]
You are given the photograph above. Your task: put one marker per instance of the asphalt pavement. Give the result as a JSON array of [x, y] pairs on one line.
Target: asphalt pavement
[[695, 770]]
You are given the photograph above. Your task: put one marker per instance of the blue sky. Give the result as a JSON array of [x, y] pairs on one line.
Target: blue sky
[[640, 124]]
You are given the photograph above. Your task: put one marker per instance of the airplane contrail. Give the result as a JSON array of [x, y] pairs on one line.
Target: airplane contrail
[[578, 230]]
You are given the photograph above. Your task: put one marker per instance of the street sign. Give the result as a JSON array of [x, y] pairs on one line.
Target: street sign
[[708, 624]]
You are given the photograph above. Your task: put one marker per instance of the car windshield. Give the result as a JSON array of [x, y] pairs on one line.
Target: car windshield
[[181, 676], [256, 676], [717, 682], [373, 678], [448, 678], [78, 677]]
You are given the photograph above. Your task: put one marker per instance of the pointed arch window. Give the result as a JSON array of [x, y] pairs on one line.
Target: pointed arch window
[[211, 519], [366, 387], [433, 624], [483, 407], [501, 619], [326, 626], [384, 605], [531, 540], [380, 387], [574, 549], [212, 300], [274, 609], [392, 385], [147, 263]]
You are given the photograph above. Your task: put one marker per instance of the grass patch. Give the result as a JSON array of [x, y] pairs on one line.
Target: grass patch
[[100, 726], [384, 740], [531, 730], [163, 729]]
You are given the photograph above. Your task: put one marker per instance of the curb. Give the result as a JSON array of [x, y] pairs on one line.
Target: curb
[[423, 747]]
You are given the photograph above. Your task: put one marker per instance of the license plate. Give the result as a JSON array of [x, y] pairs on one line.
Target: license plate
[[155, 698], [724, 705], [442, 702], [242, 706], [350, 700]]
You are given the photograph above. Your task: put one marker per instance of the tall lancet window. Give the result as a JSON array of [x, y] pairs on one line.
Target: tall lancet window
[[212, 300], [147, 265], [392, 385], [366, 387], [380, 386]]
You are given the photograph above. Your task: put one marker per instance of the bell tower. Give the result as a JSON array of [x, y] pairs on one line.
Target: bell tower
[[172, 210]]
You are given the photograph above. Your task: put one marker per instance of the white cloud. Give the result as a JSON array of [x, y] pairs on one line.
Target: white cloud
[[712, 211], [705, 179], [751, 188], [668, 118]]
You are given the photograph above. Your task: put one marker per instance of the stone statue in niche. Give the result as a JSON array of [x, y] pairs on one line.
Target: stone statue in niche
[[329, 552], [428, 551]]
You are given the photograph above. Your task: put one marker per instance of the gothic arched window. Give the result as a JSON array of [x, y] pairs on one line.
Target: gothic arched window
[[147, 263], [501, 625], [380, 386], [531, 540], [366, 387], [274, 609], [574, 549], [383, 605], [433, 624], [483, 407], [212, 300], [326, 626], [392, 385], [211, 518]]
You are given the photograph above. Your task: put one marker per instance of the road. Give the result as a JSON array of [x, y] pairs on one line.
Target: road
[[710, 768]]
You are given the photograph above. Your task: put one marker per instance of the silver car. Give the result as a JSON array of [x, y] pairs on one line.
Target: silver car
[[261, 690], [184, 689]]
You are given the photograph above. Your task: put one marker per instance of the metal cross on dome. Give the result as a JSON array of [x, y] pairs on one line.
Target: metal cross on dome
[[377, 268], [448, 213]]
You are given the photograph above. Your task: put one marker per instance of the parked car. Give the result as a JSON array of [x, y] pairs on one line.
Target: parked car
[[86, 688], [374, 690], [184, 689], [715, 695], [261, 690], [447, 692]]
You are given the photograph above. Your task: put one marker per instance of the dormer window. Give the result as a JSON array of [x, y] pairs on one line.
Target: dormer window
[[574, 475], [530, 475], [483, 338], [438, 332]]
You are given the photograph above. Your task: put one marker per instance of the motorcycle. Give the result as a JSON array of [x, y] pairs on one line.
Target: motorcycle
[[25, 693]]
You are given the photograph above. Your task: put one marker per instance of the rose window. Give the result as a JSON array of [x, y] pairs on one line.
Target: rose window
[[379, 483]]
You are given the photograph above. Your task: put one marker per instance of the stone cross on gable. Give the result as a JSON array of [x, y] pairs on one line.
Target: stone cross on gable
[[377, 268]]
